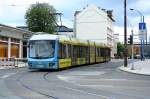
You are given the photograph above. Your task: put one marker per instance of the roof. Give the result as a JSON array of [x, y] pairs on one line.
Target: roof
[[76, 12], [64, 29], [13, 28], [108, 12], [23, 27], [58, 28], [43, 36]]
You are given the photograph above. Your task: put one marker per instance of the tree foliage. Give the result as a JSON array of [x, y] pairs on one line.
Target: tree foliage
[[40, 17], [120, 49]]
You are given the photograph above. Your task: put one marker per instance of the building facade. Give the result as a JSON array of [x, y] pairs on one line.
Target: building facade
[[96, 24], [13, 42]]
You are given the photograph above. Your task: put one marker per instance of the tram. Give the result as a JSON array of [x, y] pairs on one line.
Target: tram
[[47, 51]]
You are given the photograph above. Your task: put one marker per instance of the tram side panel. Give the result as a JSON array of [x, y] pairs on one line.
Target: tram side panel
[[99, 58], [64, 58], [87, 55], [73, 55], [92, 54]]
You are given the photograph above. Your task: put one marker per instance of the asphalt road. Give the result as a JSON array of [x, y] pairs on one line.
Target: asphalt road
[[99, 81]]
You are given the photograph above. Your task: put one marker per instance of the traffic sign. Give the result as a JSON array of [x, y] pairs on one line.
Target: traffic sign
[[142, 26], [142, 31], [142, 34]]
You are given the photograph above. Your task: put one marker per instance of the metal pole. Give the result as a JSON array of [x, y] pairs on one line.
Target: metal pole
[[132, 51], [125, 33], [141, 51], [142, 39], [60, 19], [142, 42]]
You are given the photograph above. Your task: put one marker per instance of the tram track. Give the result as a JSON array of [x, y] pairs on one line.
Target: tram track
[[33, 90], [78, 90]]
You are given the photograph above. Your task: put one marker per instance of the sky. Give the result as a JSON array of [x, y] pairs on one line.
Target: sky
[[12, 12]]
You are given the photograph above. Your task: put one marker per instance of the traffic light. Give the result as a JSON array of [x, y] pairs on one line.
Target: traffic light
[[130, 39]]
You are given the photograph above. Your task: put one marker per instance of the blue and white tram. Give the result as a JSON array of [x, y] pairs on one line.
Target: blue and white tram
[[47, 51], [42, 51]]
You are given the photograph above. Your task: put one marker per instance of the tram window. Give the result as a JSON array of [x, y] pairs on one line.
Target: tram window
[[92, 51], [63, 51], [106, 52], [99, 51], [87, 51], [69, 50], [80, 51], [84, 51], [60, 50], [75, 51], [102, 52]]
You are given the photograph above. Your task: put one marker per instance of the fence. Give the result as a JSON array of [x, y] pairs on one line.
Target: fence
[[13, 62]]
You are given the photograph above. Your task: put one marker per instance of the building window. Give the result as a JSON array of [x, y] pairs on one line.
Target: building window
[[3, 38], [15, 40]]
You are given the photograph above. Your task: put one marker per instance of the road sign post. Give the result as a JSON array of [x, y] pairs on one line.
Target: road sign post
[[142, 37]]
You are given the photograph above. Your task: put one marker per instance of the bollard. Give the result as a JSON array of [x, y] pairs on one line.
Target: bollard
[[12, 63], [13, 60], [8, 62], [16, 62], [0, 61], [4, 62]]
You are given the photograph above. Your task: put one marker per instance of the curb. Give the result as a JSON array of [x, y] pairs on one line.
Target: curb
[[12, 67], [132, 71]]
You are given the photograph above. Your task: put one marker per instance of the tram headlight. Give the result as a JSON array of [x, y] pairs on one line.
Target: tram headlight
[[30, 64], [51, 64]]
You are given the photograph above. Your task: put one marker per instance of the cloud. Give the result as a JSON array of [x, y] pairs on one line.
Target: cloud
[[14, 10], [120, 31], [141, 5]]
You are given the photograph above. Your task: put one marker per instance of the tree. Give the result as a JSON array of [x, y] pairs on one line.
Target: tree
[[120, 49], [40, 17]]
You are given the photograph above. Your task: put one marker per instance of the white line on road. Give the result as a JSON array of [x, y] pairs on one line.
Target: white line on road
[[66, 79], [85, 92], [7, 75]]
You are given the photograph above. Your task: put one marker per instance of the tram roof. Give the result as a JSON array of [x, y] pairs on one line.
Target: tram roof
[[43, 36], [64, 39]]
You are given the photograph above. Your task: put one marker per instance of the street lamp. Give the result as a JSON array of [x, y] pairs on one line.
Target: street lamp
[[141, 15], [142, 41]]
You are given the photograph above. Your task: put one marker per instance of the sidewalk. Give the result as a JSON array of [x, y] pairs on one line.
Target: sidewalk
[[140, 67], [20, 65]]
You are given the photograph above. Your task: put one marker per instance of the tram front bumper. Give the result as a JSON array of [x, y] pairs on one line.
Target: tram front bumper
[[42, 65]]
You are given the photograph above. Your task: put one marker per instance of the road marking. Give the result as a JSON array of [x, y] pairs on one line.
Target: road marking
[[111, 79], [7, 75], [86, 73], [85, 92], [68, 79], [110, 86]]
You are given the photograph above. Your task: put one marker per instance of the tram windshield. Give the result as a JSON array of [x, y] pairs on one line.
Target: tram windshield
[[41, 49]]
